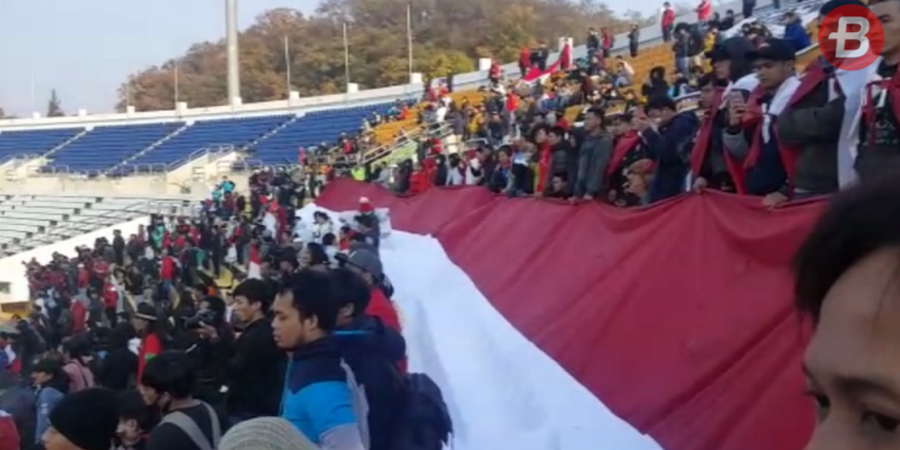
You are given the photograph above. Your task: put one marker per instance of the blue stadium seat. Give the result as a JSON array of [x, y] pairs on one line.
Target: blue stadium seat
[[106, 146], [32, 142], [205, 133], [313, 129]]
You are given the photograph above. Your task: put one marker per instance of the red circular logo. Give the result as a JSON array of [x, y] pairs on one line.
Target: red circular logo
[[851, 37]]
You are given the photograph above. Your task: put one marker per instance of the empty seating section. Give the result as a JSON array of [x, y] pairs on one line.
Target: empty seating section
[[237, 132], [313, 129], [33, 142], [30, 221], [107, 146]]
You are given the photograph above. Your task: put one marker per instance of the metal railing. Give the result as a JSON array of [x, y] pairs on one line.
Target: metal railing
[[214, 150]]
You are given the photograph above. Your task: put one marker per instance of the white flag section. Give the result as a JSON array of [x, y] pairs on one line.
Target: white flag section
[[502, 391]]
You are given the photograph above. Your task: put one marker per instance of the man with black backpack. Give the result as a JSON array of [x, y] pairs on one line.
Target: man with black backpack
[[406, 411], [373, 351]]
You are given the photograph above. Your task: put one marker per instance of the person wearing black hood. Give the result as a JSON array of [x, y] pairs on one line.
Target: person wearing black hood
[[812, 121], [656, 85], [732, 75], [375, 353], [667, 134], [118, 370]]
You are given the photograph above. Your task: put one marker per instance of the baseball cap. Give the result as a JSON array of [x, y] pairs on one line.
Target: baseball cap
[[773, 49], [366, 260]]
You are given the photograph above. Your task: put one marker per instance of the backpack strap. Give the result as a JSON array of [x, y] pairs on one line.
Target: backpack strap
[[193, 431]]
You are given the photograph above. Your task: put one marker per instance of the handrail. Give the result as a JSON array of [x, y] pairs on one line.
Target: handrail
[[209, 149], [136, 168], [158, 167]]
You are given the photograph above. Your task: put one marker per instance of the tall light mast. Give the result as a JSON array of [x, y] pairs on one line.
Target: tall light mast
[[231, 40]]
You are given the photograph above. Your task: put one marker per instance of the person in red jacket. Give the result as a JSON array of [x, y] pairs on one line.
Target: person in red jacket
[[704, 11], [667, 21], [607, 41], [419, 180], [79, 316], [9, 433], [150, 330], [168, 269], [110, 301], [524, 61]]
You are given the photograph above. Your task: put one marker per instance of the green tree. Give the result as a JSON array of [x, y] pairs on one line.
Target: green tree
[[54, 105], [447, 37]]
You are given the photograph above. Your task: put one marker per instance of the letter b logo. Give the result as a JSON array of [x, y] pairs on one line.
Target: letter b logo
[[842, 36], [851, 37]]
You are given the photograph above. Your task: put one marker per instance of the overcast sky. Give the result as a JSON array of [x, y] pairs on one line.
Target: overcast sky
[[86, 48]]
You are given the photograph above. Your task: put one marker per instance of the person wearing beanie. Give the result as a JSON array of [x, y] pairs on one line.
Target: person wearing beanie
[[365, 207], [85, 420], [265, 433]]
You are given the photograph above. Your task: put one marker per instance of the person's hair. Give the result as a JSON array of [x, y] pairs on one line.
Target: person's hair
[[537, 129], [597, 112], [256, 291], [317, 253], [132, 407], [329, 239], [558, 131], [217, 306], [120, 335], [78, 346], [350, 289], [832, 5], [661, 102], [313, 295], [857, 223], [706, 79], [170, 373]]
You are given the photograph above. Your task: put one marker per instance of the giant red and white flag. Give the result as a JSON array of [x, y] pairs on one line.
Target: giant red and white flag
[[559, 327]]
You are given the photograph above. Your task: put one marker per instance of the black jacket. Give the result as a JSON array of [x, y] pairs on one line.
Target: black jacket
[[117, 369], [255, 372], [374, 353]]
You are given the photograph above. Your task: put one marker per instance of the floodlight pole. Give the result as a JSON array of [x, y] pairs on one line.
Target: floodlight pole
[[231, 39]]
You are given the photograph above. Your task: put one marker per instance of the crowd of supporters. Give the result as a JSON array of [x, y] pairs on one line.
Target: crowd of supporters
[[136, 343], [758, 128]]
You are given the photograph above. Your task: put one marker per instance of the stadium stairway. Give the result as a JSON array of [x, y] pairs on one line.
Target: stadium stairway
[[388, 132]]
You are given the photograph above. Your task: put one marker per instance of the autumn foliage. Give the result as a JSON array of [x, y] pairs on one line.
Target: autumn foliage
[[448, 37]]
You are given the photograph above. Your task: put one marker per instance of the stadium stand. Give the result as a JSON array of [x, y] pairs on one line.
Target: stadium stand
[[34, 142], [237, 132], [29, 221], [312, 129], [104, 147]]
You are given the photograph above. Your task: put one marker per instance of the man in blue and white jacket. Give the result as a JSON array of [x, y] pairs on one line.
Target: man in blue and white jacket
[[321, 397]]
